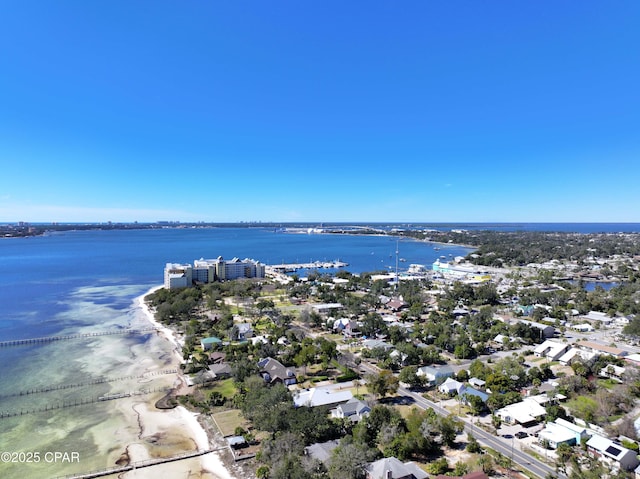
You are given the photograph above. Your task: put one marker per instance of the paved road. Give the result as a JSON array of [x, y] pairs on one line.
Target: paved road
[[504, 446]]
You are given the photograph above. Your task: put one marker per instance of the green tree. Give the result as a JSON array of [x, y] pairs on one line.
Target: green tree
[[473, 446], [409, 376], [383, 383]]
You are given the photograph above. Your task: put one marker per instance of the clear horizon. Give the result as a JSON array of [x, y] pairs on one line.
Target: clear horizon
[[360, 112]]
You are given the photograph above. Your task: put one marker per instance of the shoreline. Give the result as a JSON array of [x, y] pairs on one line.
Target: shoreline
[[178, 421]]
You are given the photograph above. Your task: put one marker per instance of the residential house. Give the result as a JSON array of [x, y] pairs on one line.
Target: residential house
[[467, 391], [217, 357], [554, 435], [348, 327], [435, 374], [392, 468], [601, 349], [479, 383], [399, 357], [260, 339], [583, 328], [376, 343], [612, 371], [243, 331], [544, 330], [575, 353], [220, 370], [272, 371], [602, 318], [354, 409], [396, 304], [320, 396], [450, 386], [527, 411], [210, 343], [321, 451], [551, 350], [471, 475], [612, 453]]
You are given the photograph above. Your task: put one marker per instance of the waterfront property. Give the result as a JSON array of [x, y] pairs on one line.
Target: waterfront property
[[210, 270]]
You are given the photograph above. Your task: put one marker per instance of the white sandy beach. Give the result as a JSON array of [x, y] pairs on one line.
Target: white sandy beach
[[164, 433]]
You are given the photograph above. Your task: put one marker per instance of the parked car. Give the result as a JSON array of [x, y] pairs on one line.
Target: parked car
[[521, 434]]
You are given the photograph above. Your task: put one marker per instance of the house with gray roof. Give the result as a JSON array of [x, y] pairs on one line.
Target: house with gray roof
[[220, 370], [450, 386], [354, 409], [272, 371], [435, 374], [546, 331], [467, 391], [612, 453], [321, 451], [392, 468]]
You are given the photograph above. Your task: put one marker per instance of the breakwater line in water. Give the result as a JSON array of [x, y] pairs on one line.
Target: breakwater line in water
[[88, 383], [81, 402], [51, 339]]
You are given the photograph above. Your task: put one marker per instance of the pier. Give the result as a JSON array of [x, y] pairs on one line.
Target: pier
[[289, 267], [51, 339], [81, 402], [88, 383], [140, 464]]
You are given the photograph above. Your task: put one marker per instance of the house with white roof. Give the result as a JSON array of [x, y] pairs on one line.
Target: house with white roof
[[583, 328], [600, 349], [320, 396], [477, 382], [554, 435], [612, 453], [602, 318], [526, 411], [612, 371], [562, 432], [575, 353], [551, 350], [633, 359]]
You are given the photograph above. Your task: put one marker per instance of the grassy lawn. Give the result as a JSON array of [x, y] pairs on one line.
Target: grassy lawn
[[607, 383], [227, 421], [224, 387]]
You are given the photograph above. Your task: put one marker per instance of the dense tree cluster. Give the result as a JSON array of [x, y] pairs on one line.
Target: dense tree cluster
[[518, 248]]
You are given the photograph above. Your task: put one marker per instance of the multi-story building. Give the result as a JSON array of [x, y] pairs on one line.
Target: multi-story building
[[210, 270]]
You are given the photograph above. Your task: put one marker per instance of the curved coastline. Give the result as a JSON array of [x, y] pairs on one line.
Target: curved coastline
[[155, 422]]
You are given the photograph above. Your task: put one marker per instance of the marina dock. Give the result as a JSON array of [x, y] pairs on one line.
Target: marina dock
[[290, 267]]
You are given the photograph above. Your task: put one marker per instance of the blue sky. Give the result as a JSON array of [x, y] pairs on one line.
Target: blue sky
[[320, 111]]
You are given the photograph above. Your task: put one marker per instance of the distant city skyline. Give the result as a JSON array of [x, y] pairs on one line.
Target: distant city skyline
[[319, 112]]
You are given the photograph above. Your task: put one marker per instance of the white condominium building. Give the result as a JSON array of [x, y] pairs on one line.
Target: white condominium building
[[210, 270]]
